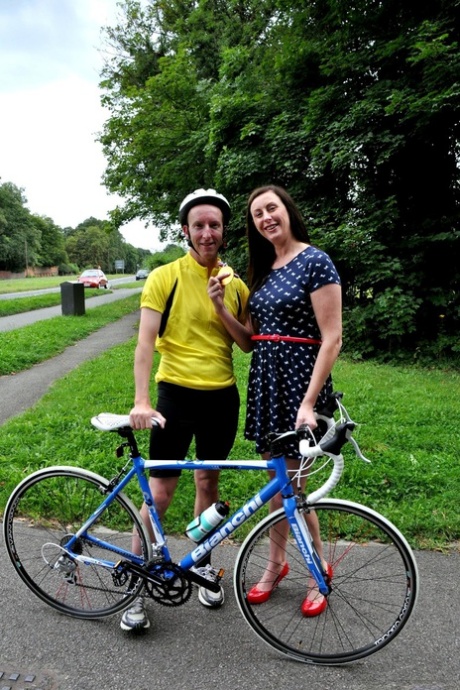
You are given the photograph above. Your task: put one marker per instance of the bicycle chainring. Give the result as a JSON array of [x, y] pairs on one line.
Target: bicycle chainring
[[174, 590]]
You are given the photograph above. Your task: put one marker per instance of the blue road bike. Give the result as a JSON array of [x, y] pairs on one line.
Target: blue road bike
[[69, 534]]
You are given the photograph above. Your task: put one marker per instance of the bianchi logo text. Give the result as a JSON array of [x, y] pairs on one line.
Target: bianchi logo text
[[229, 527]]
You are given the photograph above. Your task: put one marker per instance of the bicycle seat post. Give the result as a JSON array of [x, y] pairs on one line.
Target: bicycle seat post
[[128, 434]]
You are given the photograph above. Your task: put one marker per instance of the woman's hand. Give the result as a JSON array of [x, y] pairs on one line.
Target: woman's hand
[[306, 415]]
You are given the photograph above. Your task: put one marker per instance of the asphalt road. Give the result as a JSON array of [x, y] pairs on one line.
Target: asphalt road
[[194, 647]]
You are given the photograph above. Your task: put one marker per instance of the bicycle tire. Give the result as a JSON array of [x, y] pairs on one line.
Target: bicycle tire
[[41, 513], [373, 589]]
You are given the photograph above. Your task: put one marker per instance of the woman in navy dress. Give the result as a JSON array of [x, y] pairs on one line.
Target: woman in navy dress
[[295, 292]]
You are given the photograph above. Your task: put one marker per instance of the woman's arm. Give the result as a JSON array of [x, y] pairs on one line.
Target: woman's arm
[[327, 307]]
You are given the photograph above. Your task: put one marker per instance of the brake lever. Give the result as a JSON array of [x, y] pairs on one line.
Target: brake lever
[[353, 441], [357, 449]]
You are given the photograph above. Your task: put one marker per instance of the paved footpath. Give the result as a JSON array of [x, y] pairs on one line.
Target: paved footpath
[[193, 647], [20, 391]]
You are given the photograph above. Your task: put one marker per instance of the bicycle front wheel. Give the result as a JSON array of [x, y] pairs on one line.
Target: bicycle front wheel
[[373, 588], [44, 511]]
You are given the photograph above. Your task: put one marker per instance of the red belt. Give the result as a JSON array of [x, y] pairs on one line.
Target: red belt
[[288, 338]]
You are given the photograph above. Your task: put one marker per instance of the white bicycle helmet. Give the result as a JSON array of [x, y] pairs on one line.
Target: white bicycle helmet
[[204, 196]]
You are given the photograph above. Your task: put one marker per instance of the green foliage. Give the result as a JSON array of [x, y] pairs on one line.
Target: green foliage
[[170, 253], [19, 236], [353, 107], [52, 242], [28, 240], [67, 269]]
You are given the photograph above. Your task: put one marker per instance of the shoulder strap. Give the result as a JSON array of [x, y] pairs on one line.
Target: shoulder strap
[[165, 315], [240, 306]]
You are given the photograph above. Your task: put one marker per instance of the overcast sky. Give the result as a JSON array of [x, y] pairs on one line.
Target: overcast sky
[[50, 111]]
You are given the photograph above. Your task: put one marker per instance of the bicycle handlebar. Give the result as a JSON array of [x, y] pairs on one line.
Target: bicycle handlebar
[[338, 432], [331, 445]]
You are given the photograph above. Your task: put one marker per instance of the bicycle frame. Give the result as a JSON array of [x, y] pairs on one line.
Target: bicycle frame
[[279, 483]]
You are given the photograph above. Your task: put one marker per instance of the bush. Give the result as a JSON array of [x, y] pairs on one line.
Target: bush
[[170, 253], [68, 269]]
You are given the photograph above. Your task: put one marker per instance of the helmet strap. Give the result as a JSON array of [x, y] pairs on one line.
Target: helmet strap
[[189, 239]]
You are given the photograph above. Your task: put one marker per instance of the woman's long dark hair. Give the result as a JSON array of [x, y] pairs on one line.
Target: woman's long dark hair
[[262, 252]]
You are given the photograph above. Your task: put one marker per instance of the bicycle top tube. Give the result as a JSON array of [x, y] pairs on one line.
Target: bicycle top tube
[[208, 464]]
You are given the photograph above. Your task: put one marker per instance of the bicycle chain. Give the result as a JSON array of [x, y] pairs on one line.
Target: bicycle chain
[[173, 590]]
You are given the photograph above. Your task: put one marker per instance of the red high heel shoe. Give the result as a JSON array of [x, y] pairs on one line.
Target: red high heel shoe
[[312, 607], [258, 596]]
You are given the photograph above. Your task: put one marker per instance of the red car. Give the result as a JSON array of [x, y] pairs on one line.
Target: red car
[[94, 278]]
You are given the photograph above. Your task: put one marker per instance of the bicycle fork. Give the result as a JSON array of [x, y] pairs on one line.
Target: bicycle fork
[[305, 544]]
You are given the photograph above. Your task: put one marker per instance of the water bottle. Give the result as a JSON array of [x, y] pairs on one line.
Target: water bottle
[[209, 518]]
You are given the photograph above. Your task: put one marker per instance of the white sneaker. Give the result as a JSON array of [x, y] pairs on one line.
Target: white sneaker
[[211, 599], [135, 618], [205, 596]]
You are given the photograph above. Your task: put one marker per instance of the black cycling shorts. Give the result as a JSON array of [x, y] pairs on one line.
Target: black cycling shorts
[[211, 417]]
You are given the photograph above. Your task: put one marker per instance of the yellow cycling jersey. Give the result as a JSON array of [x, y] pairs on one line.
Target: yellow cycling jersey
[[195, 347]]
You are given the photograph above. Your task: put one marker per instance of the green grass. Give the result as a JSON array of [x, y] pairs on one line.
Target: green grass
[[408, 426], [25, 284], [22, 348]]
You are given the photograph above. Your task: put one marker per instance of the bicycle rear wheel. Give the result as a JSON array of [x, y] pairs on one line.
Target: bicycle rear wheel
[[374, 586], [42, 514]]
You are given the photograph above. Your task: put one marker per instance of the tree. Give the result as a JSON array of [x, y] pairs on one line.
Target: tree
[[19, 238], [158, 87], [170, 253], [353, 107], [98, 243], [52, 242], [384, 130], [90, 247]]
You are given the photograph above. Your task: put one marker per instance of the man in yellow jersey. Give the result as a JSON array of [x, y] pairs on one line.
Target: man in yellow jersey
[[193, 319]]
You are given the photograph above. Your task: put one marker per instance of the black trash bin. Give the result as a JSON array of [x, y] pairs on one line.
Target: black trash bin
[[73, 299]]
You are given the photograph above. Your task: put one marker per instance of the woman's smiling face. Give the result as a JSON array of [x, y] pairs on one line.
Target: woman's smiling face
[[270, 216]]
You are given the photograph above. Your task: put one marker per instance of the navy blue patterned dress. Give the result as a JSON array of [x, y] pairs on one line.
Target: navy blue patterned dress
[[281, 371]]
